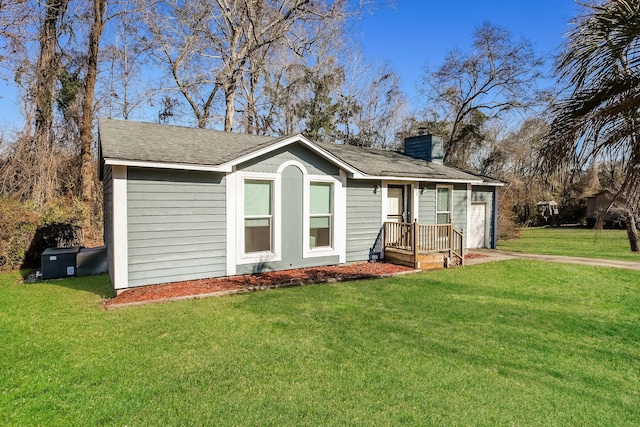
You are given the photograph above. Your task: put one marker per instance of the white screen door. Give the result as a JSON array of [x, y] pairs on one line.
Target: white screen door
[[395, 204], [477, 225]]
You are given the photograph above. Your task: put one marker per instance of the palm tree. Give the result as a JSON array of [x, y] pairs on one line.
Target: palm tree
[[601, 63]]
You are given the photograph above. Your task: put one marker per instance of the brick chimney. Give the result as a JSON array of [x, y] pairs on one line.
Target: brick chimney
[[425, 147]]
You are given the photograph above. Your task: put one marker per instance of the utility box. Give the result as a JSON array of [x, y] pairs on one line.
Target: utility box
[[91, 261], [57, 263]]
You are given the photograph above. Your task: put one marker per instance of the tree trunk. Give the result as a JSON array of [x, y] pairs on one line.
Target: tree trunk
[[86, 136], [632, 233], [46, 75], [252, 115], [230, 103]]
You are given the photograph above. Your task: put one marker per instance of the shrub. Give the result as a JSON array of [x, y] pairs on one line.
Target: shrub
[[55, 235], [25, 233], [507, 228], [17, 225]]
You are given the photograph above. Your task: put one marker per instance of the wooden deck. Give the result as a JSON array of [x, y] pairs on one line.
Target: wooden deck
[[423, 246]]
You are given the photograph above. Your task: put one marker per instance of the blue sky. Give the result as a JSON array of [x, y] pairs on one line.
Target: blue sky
[[415, 33]]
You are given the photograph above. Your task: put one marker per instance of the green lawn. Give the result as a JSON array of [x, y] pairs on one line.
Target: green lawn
[[572, 241], [508, 343]]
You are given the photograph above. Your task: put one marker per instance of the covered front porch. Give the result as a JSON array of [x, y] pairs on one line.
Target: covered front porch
[[423, 246]]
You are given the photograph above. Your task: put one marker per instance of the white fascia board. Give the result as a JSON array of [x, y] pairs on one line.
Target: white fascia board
[[491, 184], [162, 165], [290, 140], [421, 179]]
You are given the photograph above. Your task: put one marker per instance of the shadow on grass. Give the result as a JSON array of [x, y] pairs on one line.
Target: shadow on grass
[[99, 285]]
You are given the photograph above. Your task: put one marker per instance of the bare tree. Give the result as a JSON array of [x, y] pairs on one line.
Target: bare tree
[[45, 78], [14, 23], [372, 107], [498, 76], [86, 135], [124, 58], [177, 32], [208, 45]]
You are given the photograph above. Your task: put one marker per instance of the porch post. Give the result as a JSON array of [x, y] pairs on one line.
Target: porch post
[[450, 241], [384, 234], [414, 235]]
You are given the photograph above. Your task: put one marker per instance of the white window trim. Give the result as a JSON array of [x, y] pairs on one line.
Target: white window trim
[[468, 234], [232, 219], [338, 218], [450, 210], [119, 228], [276, 253]]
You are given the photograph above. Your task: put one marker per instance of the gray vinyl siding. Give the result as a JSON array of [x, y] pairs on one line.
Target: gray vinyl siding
[[486, 194], [285, 265], [364, 212], [107, 205], [459, 214], [270, 163], [176, 225], [427, 204]]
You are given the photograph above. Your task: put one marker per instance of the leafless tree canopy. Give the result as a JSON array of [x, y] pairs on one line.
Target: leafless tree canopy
[[499, 75]]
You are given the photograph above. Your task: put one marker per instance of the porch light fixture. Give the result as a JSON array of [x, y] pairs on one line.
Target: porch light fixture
[[422, 190], [376, 188]]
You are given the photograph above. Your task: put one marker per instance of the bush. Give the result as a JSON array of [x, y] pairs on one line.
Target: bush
[[18, 223], [25, 233], [55, 235], [507, 228]]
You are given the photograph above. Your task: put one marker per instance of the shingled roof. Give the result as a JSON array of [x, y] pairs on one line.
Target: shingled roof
[[127, 141], [152, 142], [384, 163]]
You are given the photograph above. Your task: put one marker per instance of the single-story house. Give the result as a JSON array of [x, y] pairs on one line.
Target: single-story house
[[601, 206], [185, 204]]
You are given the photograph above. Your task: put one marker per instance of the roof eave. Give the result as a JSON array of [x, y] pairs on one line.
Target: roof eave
[[167, 165], [424, 179]]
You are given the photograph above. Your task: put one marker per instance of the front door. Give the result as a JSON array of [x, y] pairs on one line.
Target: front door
[[399, 203]]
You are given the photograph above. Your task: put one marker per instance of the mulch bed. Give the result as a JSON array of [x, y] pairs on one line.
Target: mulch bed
[[228, 285], [474, 255]]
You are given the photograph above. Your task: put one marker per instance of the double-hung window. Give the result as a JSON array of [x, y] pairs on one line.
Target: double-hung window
[[320, 215], [258, 216], [443, 205]]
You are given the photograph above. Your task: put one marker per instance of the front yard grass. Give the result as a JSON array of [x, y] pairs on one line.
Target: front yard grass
[[572, 241], [507, 343]]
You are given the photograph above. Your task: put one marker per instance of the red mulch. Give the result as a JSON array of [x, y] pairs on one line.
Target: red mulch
[[473, 255], [256, 281]]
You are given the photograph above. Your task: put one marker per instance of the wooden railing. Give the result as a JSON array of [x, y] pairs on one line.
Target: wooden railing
[[398, 235], [457, 249], [424, 239], [434, 237]]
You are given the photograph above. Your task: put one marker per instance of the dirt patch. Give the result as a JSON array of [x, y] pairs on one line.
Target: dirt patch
[[225, 285]]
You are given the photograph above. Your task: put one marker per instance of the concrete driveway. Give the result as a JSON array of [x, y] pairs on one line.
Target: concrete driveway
[[498, 255]]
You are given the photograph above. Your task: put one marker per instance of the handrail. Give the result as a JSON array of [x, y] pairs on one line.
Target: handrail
[[458, 245], [398, 235], [424, 238]]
